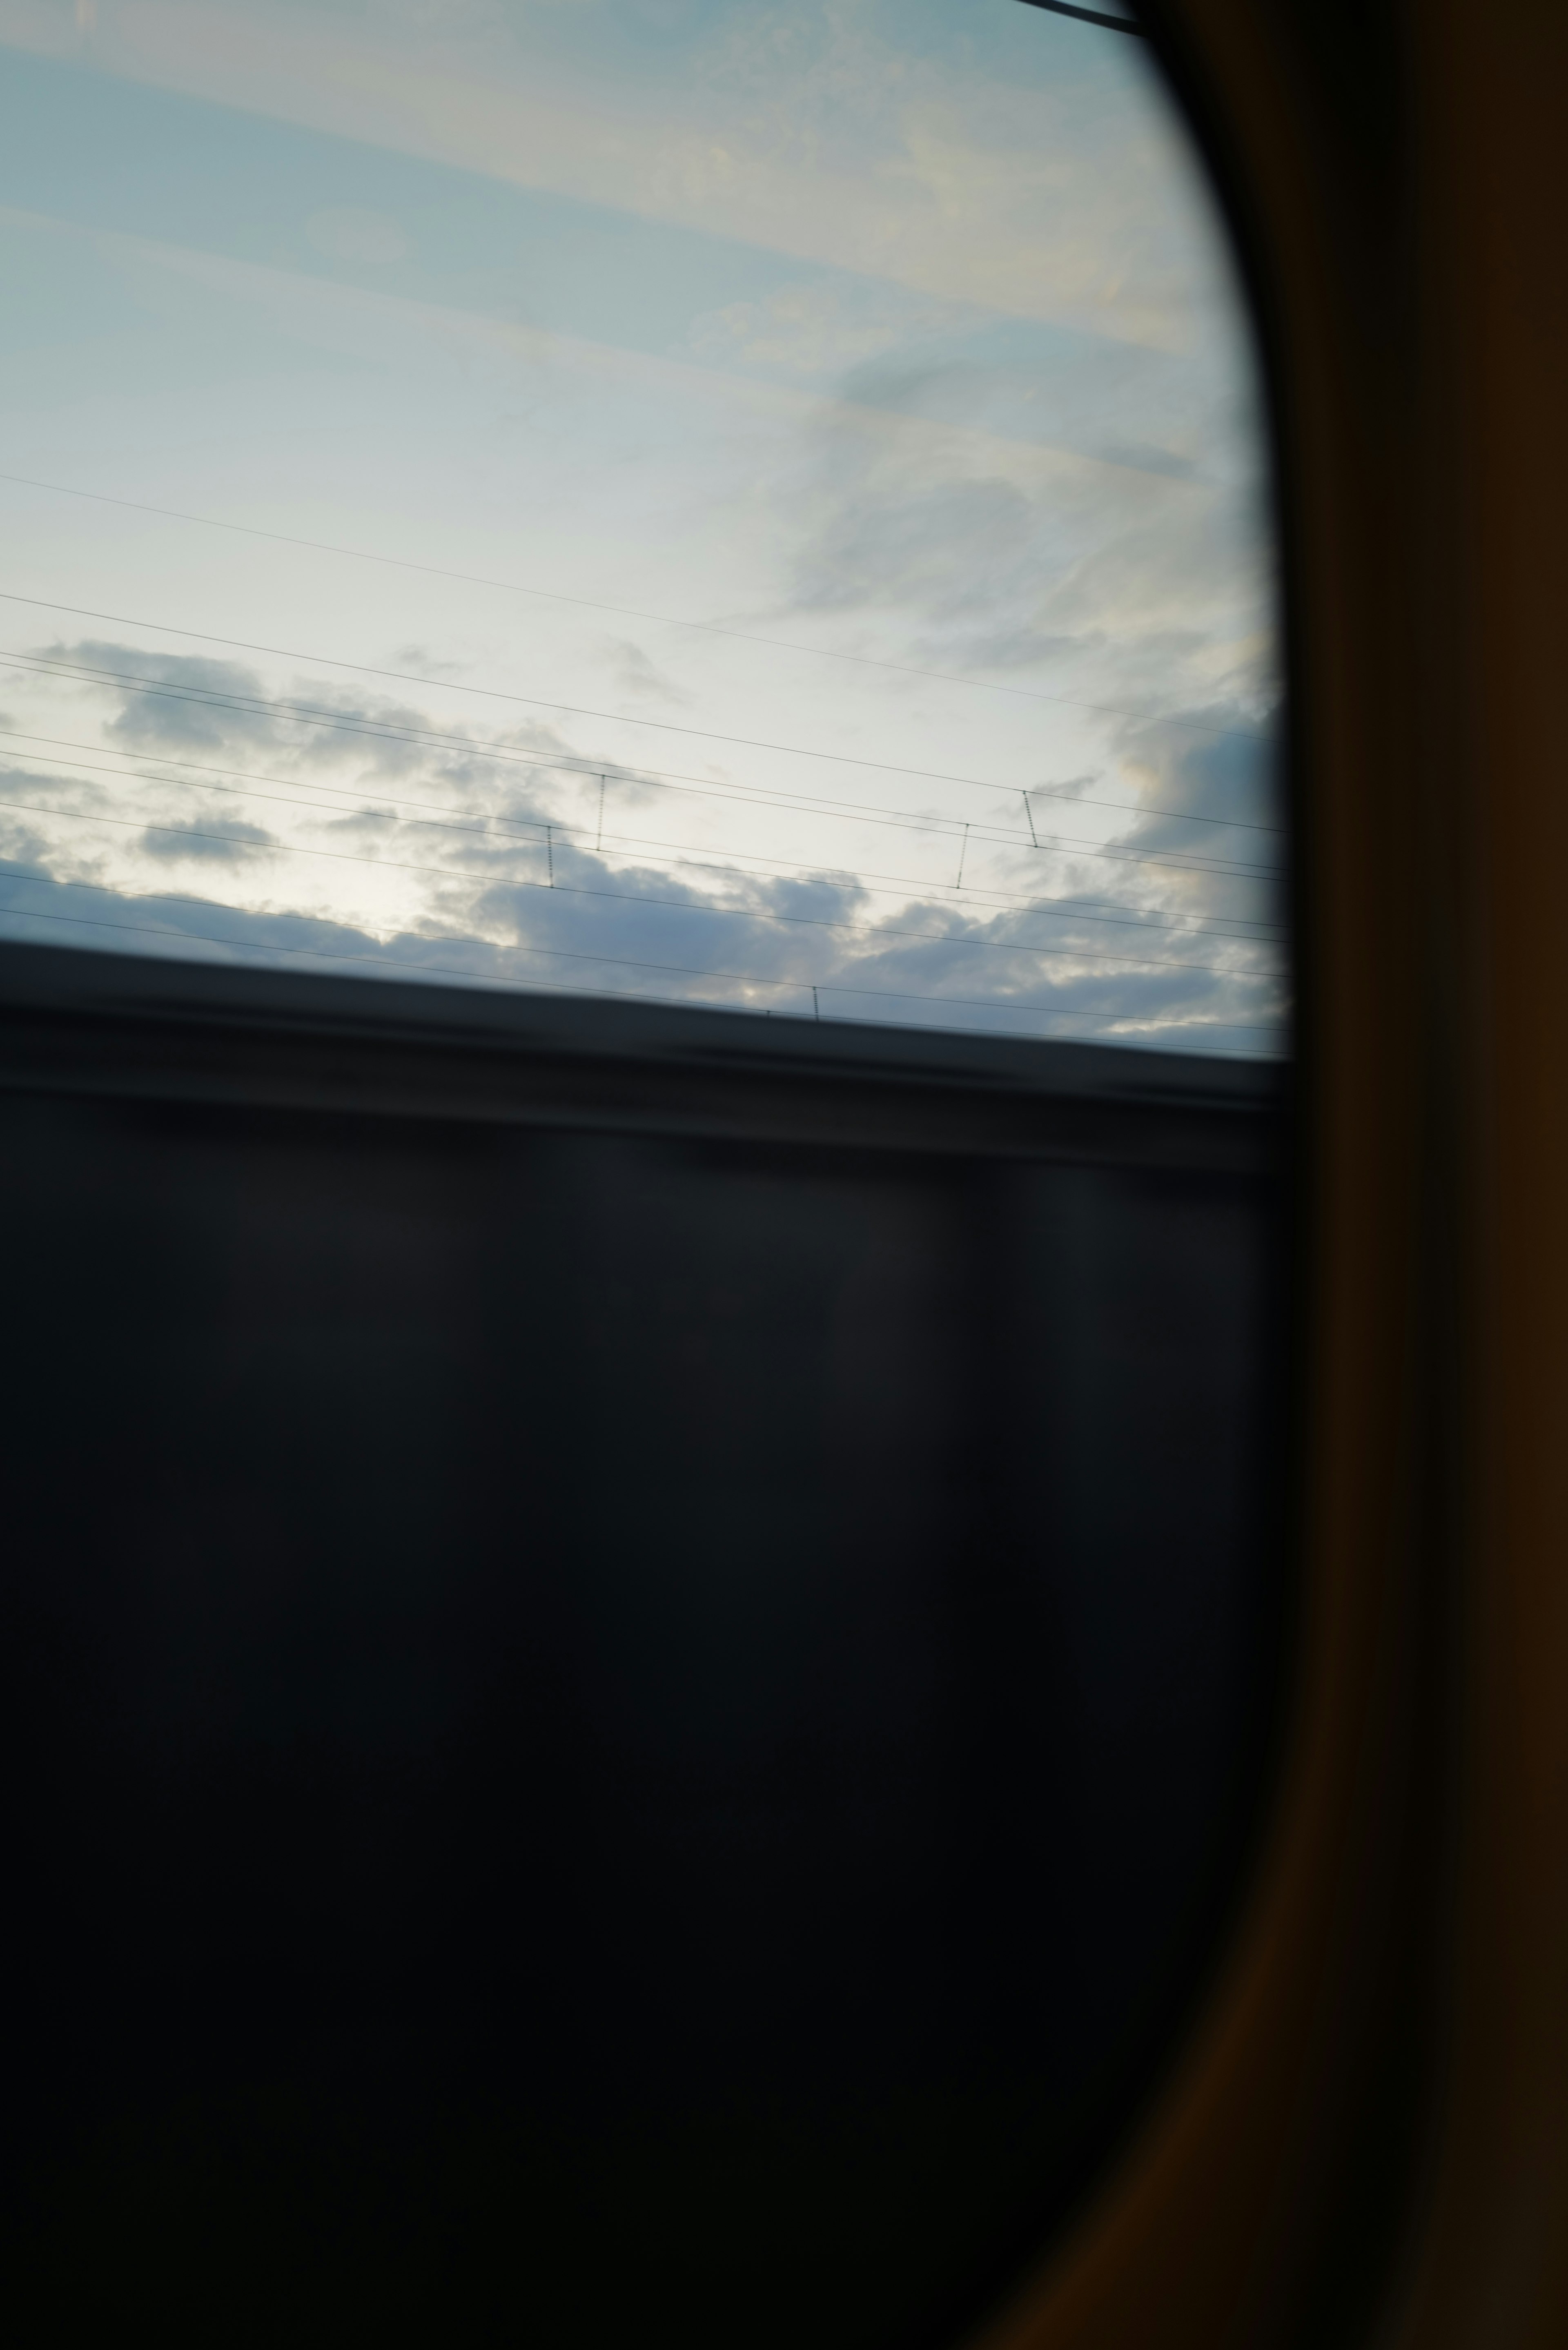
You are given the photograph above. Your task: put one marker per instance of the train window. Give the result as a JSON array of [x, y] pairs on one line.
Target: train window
[[642, 1128], [746, 505]]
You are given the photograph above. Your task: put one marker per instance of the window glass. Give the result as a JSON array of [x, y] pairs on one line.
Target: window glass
[[744, 503]]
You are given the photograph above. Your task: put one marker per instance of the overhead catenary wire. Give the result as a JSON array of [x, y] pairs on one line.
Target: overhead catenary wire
[[638, 776], [528, 701], [581, 763], [685, 905], [307, 715], [1071, 913], [630, 611], [741, 862]]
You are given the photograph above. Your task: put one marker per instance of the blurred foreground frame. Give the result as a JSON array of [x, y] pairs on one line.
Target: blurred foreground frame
[[1366, 2137]]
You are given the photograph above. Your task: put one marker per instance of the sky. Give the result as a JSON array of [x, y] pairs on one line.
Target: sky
[[753, 505]]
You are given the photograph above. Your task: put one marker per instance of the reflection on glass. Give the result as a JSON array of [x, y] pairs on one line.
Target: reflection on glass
[[750, 505]]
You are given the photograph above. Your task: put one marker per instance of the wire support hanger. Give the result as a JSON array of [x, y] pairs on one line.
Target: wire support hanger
[[517, 834]]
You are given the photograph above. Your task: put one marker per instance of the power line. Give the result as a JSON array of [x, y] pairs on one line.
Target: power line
[[627, 897], [643, 779], [573, 763], [521, 701], [395, 963], [1067, 908], [307, 715], [442, 816], [627, 611], [564, 762], [737, 862]]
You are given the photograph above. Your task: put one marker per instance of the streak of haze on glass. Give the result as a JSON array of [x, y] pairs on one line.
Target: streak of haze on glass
[[743, 503]]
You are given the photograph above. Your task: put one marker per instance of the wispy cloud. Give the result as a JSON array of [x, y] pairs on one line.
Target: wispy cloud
[[895, 343]]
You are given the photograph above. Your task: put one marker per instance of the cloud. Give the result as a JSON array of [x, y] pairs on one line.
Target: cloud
[[22, 843], [1211, 796], [818, 328], [642, 930], [215, 837], [180, 701], [901, 326], [1018, 971], [178, 704], [442, 852], [935, 545], [927, 157], [633, 674]]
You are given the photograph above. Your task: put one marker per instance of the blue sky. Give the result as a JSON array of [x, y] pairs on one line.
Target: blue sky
[[785, 495]]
